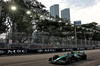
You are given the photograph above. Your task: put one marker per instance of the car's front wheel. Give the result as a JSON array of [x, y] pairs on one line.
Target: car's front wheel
[[84, 57], [50, 59]]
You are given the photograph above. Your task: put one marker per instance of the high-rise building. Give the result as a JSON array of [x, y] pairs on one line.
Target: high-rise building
[[65, 14], [77, 23], [54, 10], [0, 11], [26, 0], [99, 26]]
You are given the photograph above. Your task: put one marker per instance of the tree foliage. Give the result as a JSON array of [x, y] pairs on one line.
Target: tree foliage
[[3, 15], [20, 18], [53, 28], [89, 32]]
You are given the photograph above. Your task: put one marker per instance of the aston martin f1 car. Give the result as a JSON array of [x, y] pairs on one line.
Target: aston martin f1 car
[[69, 57]]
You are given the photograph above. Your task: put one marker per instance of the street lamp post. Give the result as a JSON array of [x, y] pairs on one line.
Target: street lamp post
[[75, 36], [13, 8], [85, 39], [28, 12], [29, 37]]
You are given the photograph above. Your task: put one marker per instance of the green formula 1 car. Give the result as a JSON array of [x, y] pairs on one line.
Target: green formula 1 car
[[69, 57]]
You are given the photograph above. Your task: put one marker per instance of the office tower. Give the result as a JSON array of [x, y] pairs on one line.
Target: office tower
[[26, 0], [65, 14], [0, 11], [77, 23], [99, 26], [54, 10]]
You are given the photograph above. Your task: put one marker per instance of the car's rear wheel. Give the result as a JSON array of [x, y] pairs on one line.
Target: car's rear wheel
[[69, 61]]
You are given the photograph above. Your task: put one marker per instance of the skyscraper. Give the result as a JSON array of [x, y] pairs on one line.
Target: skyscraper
[[54, 10], [99, 26], [0, 11], [26, 0], [65, 14]]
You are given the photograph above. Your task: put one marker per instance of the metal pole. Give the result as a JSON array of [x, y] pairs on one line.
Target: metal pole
[[81, 42], [90, 42], [75, 37], [13, 25], [85, 42], [13, 28], [0, 11], [85, 39]]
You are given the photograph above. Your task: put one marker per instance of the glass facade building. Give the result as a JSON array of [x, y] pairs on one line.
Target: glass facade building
[[54, 10], [0, 11], [65, 14]]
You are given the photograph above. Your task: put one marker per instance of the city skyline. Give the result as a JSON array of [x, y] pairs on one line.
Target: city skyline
[[86, 11]]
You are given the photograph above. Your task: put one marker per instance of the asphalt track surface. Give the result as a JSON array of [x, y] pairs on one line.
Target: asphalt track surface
[[42, 59]]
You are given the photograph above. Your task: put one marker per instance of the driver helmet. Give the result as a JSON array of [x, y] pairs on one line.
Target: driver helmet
[[72, 51]]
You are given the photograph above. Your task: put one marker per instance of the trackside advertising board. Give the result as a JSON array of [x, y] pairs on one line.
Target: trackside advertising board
[[77, 23], [10, 41]]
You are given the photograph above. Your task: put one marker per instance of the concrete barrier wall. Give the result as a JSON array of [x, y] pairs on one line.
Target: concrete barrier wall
[[45, 50]]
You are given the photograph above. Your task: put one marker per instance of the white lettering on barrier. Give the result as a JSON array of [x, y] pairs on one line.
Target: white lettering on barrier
[[68, 49], [89, 48], [19, 51], [16, 51], [40, 50], [24, 51], [81, 48], [46, 50], [49, 50], [1, 51], [63, 49], [52, 50], [9, 52]]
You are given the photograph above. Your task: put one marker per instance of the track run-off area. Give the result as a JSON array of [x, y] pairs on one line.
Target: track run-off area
[[93, 59]]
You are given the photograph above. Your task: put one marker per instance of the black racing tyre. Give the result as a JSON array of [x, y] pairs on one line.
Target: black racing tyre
[[76, 59], [84, 57], [55, 56], [50, 59], [80, 57], [69, 61]]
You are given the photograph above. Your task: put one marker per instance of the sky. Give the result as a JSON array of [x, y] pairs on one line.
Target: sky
[[85, 10]]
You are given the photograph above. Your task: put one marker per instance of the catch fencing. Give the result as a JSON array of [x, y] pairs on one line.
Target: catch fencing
[[44, 40]]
